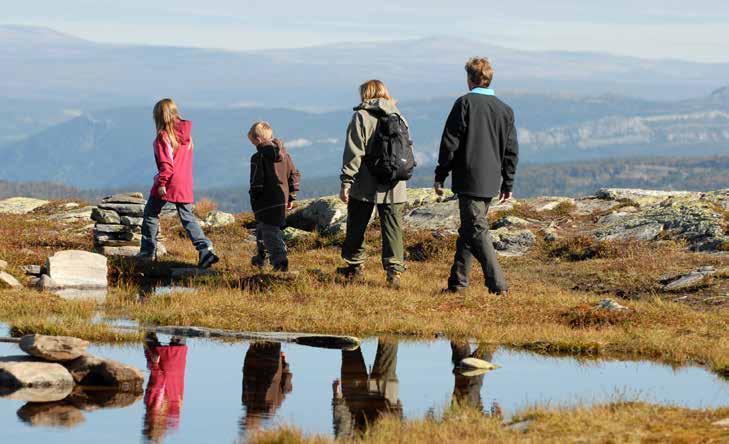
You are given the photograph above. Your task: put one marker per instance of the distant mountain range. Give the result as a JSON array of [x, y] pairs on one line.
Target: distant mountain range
[[113, 148], [46, 76]]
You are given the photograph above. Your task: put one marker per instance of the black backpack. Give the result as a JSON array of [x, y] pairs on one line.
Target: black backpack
[[391, 157]]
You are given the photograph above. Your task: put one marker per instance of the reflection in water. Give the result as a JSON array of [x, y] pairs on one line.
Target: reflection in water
[[166, 386], [467, 385], [359, 399], [266, 382]]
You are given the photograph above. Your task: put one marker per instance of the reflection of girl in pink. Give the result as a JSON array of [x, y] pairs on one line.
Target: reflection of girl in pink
[[166, 386]]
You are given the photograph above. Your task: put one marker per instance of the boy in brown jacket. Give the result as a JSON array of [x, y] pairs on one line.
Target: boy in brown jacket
[[274, 183]]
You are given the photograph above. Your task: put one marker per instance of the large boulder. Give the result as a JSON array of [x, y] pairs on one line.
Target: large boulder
[[93, 371], [217, 218], [53, 348], [78, 269], [326, 214], [421, 196], [20, 205], [509, 242], [25, 371], [435, 216], [642, 197]]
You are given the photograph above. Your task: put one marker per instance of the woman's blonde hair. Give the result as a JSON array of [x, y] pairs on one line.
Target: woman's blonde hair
[[374, 89], [165, 115]]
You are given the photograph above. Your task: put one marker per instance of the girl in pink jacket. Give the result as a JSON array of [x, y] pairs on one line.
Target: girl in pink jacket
[[173, 152]]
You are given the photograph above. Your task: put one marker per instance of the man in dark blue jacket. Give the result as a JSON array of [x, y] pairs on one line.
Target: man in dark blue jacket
[[480, 147]]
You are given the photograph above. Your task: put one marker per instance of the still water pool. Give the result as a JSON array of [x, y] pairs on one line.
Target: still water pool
[[210, 391]]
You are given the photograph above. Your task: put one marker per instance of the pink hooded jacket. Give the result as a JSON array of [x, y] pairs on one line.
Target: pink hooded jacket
[[174, 170]]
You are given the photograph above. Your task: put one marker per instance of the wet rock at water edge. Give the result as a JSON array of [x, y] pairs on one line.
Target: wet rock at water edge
[[89, 370], [78, 269], [55, 414], [45, 283], [8, 281], [25, 371], [53, 348], [90, 399]]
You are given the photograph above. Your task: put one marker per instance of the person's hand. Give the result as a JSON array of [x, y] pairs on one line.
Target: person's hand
[[290, 205], [344, 193], [162, 191], [505, 196], [337, 388], [438, 187]]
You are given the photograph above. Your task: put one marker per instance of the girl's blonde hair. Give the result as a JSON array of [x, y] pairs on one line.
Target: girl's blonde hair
[[165, 115], [374, 89]]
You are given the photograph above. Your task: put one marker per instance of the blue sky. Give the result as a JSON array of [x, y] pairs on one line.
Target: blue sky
[[697, 30]]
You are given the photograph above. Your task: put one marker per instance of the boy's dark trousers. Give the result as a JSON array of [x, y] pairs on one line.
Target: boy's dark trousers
[[270, 242], [474, 241], [358, 216]]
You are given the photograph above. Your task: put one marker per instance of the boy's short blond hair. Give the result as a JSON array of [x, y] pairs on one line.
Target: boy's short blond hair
[[261, 130], [373, 89], [479, 70]]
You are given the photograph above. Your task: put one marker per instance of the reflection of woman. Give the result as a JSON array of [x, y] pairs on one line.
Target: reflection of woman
[[360, 399], [166, 386], [266, 381]]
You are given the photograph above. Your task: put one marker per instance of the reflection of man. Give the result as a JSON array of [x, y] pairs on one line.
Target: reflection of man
[[468, 384], [166, 386], [360, 399], [266, 381]]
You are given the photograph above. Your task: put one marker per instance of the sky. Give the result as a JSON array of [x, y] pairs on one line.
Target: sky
[[694, 30]]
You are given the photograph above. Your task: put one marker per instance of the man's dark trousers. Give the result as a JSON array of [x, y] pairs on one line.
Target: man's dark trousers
[[474, 241]]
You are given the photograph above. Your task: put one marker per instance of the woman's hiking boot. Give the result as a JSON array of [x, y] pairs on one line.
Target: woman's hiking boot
[[393, 279], [352, 273], [207, 258]]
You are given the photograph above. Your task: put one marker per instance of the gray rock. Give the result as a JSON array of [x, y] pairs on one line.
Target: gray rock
[[512, 243], [129, 239], [8, 281], [638, 195], [125, 198], [53, 348], [293, 234], [442, 216], [37, 394], [417, 197], [645, 232], [124, 209], [20, 205], [589, 205], [111, 228], [131, 221], [120, 251], [218, 218], [75, 215], [321, 214], [89, 370], [24, 371], [688, 280], [78, 269], [510, 221], [46, 283], [610, 305], [32, 270], [103, 216]]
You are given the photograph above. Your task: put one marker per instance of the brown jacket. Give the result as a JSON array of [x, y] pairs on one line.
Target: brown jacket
[[274, 183]]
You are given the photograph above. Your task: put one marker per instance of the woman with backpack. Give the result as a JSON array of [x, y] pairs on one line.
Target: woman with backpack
[[378, 158]]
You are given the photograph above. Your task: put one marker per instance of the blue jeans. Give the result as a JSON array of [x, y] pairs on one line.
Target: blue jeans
[[270, 243], [150, 226]]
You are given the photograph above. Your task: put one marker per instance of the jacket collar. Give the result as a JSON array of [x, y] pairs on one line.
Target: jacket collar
[[483, 91]]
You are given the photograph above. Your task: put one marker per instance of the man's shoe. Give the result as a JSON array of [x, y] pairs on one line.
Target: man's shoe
[[352, 273], [393, 279], [207, 259]]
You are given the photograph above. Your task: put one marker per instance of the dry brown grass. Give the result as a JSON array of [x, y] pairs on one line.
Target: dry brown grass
[[203, 207], [609, 423]]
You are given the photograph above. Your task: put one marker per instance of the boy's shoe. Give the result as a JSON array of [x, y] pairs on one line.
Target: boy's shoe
[[258, 261], [352, 273], [207, 258], [282, 267], [393, 279]]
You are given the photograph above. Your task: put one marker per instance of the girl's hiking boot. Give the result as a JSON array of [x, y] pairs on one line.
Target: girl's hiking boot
[[207, 258], [393, 279], [352, 273]]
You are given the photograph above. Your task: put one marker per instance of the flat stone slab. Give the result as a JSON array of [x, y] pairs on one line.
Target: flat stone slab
[[53, 348], [125, 198], [79, 269], [37, 394], [8, 281], [124, 209], [20, 205], [103, 216], [25, 371], [310, 339], [131, 221], [111, 228]]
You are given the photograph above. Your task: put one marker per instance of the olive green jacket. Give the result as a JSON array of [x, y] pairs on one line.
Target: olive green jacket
[[362, 185]]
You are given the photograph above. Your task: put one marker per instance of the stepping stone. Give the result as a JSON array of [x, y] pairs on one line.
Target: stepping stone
[[53, 348], [93, 371], [8, 281], [25, 371], [78, 269]]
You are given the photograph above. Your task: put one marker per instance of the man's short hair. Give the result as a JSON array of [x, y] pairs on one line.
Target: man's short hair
[[479, 71], [261, 130]]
